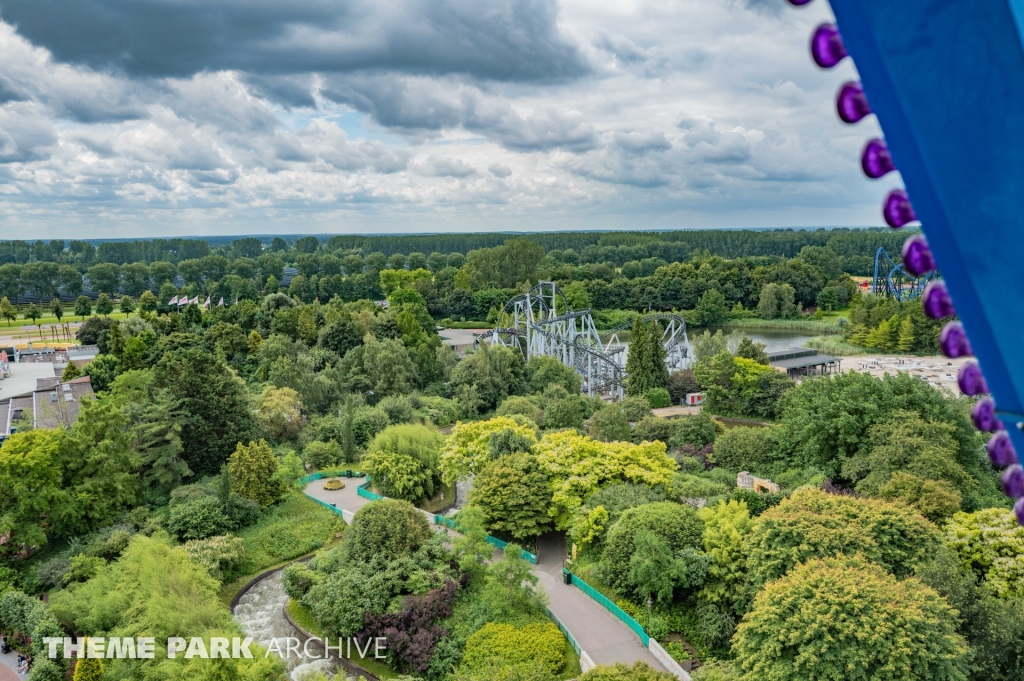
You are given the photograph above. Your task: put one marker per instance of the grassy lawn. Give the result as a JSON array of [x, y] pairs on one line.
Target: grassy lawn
[[810, 324]]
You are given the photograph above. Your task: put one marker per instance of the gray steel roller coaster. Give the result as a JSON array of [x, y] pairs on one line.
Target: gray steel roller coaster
[[540, 323]]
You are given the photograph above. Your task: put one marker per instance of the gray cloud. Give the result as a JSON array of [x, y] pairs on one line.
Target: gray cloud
[[442, 166], [503, 40], [499, 170]]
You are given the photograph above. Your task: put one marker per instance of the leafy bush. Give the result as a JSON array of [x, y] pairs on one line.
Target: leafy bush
[[936, 500], [398, 408], [252, 469], [696, 430], [568, 412], [640, 671], [813, 524], [542, 371], [542, 643], [658, 398], [403, 462], [366, 423], [676, 525], [520, 405], [50, 574], [991, 544], [685, 486], [903, 631], [653, 428], [744, 449], [298, 578], [468, 448], [322, 455], [680, 384], [513, 493], [508, 441], [413, 631], [198, 518], [611, 424], [757, 502], [386, 529], [635, 408], [219, 555]]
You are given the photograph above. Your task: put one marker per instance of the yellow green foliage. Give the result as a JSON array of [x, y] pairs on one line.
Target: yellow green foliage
[[577, 466], [814, 524], [252, 468], [990, 542], [280, 410], [88, 669], [589, 527], [539, 643], [640, 671], [216, 554], [467, 449], [936, 500], [843, 618], [725, 526], [403, 461]]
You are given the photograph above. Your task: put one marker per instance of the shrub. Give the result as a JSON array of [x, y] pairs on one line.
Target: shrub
[[744, 449], [468, 448], [514, 496], [902, 631], [640, 671], [252, 469], [403, 462], [696, 430], [568, 412], [686, 486], [813, 524], [658, 398], [413, 632], [541, 371], [520, 405], [991, 543], [366, 423], [611, 425], [508, 441], [50, 574], [676, 525], [198, 518], [298, 578], [387, 529], [398, 408], [936, 500], [653, 428], [322, 455], [680, 384], [542, 643], [635, 408], [218, 555]]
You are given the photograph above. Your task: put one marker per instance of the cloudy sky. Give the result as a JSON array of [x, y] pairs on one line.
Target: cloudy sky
[[122, 118]]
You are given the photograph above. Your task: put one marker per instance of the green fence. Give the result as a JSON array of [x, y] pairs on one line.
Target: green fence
[[326, 505], [610, 607], [493, 541], [561, 627], [364, 491]]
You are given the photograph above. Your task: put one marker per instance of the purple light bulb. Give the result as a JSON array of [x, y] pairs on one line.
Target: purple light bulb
[[1000, 450], [799, 2], [876, 160], [917, 257], [1018, 510], [936, 301], [827, 46], [983, 414], [851, 103], [953, 341], [971, 380], [897, 210], [1013, 481]]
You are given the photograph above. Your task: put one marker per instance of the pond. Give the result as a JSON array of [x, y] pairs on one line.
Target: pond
[[774, 340]]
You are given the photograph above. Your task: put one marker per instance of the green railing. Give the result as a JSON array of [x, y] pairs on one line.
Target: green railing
[[364, 491], [326, 505], [565, 632], [493, 541], [610, 607]]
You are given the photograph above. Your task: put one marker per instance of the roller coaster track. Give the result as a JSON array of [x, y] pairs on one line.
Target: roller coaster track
[[892, 280], [540, 323]]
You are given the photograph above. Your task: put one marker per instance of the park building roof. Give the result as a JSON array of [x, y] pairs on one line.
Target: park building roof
[[51, 405], [800, 362]]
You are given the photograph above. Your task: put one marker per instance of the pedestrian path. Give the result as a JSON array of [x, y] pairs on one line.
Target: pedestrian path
[[606, 639], [9, 667]]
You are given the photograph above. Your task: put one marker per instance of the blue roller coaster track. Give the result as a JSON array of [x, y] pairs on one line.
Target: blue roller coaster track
[[892, 280]]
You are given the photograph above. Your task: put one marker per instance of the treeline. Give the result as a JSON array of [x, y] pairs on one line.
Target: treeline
[[613, 247]]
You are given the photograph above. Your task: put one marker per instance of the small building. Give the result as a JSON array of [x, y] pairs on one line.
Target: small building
[[694, 399], [745, 480], [801, 362], [51, 405]]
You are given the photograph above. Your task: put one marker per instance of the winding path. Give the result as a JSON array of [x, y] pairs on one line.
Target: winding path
[[9, 667], [597, 631]]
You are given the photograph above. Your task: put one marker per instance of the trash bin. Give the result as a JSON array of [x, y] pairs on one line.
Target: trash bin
[[566, 577], [348, 473]]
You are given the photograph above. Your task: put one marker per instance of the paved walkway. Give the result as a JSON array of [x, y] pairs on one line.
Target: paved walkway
[[9, 666], [606, 639]]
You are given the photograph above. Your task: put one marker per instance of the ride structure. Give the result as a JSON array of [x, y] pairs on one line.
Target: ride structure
[[946, 81], [540, 323], [892, 279]]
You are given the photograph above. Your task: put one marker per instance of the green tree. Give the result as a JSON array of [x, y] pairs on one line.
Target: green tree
[[83, 307], [751, 350], [542, 371], [280, 410], [126, 305], [471, 546], [30, 488], [403, 462], [814, 524], [8, 311], [88, 669], [157, 438], [711, 309], [936, 500], [56, 308], [905, 341], [725, 526], [215, 405], [898, 630], [645, 364], [252, 469], [386, 529], [348, 440], [494, 373], [513, 493], [511, 585], [147, 302], [676, 525], [34, 313], [102, 371], [990, 543], [610, 424], [744, 449], [340, 337], [655, 572], [255, 341], [104, 305], [70, 373]]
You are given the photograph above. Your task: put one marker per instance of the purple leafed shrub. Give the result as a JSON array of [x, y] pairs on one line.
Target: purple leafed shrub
[[413, 632], [699, 453], [832, 488]]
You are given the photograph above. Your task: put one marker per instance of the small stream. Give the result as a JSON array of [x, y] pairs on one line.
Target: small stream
[[260, 614]]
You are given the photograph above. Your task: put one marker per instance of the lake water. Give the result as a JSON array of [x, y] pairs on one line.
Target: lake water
[[773, 340]]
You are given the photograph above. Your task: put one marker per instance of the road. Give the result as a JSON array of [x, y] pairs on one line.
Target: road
[[606, 639]]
